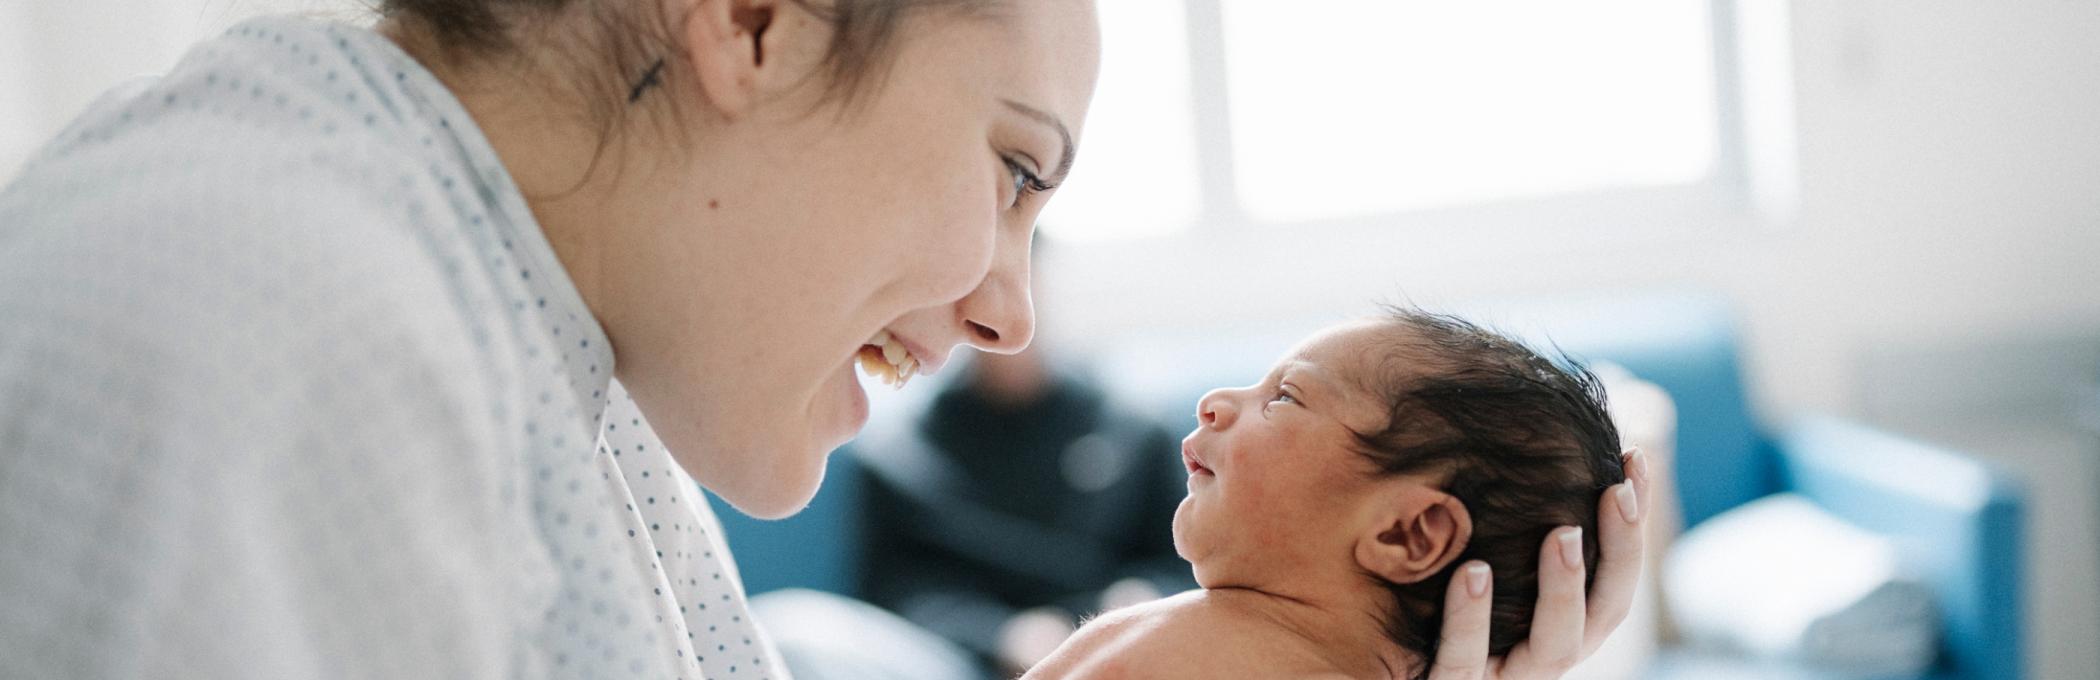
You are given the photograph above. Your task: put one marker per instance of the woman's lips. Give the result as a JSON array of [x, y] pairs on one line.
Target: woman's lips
[[894, 359], [929, 363]]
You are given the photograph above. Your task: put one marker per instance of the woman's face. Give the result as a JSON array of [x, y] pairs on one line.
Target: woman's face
[[801, 228]]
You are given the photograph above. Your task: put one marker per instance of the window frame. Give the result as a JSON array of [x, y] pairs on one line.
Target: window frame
[[1724, 195]]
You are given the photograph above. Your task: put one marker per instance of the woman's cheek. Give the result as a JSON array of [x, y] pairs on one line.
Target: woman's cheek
[[960, 251]]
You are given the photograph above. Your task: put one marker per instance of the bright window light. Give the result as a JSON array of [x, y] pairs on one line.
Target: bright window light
[[1343, 108], [1136, 170]]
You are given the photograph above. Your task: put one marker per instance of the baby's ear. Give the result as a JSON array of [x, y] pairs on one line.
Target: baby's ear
[[1419, 531]]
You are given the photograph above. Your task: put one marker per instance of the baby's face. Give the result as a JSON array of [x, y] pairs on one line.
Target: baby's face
[[1275, 484]]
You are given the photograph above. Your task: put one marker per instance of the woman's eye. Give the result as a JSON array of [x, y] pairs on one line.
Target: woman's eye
[[1024, 182]]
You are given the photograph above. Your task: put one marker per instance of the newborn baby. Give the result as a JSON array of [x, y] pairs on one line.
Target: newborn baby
[[1331, 504]]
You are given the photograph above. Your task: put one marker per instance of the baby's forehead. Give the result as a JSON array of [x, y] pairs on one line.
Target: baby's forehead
[[1371, 352], [1356, 363]]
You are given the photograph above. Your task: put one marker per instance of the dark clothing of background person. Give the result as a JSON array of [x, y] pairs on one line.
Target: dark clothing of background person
[[988, 507]]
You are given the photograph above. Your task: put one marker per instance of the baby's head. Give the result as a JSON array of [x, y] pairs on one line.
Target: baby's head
[[1386, 452]]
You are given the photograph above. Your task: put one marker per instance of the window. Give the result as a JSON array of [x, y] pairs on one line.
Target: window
[[1135, 174], [1334, 109]]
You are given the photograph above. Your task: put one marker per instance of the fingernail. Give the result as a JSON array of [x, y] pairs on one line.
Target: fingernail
[[1477, 579], [1629, 506], [1571, 547]]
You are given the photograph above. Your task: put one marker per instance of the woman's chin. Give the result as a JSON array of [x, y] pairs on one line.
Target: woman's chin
[[781, 491], [840, 409], [785, 465]]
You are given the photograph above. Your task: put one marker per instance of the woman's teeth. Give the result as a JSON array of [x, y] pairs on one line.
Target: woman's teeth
[[883, 357]]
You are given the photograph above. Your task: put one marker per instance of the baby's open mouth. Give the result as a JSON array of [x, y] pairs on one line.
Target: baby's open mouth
[[1195, 466], [887, 359]]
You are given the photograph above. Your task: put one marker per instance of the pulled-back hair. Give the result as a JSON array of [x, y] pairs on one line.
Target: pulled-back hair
[[623, 49], [1523, 440], [635, 33]]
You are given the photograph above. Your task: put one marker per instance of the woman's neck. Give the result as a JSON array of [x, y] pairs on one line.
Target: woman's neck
[[542, 133]]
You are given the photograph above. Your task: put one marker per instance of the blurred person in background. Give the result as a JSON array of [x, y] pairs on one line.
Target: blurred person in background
[[1021, 500]]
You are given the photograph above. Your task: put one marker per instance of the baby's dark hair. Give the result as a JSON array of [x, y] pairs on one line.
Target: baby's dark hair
[[1524, 440]]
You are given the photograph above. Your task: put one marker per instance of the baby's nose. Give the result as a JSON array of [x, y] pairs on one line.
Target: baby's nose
[[1215, 410]]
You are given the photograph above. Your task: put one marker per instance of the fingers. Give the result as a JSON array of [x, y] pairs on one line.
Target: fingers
[[1564, 628], [1556, 641], [1462, 653], [1636, 465], [1620, 519]]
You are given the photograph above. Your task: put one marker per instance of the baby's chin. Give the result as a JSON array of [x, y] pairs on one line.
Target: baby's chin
[[1208, 572], [1209, 579], [1219, 556], [1180, 525]]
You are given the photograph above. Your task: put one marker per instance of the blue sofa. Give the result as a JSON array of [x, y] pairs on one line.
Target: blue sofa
[[1957, 519]]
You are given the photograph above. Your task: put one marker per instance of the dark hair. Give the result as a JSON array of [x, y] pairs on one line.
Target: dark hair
[[637, 44], [1523, 440]]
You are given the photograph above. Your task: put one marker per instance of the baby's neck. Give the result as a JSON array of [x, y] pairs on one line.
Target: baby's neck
[[1338, 634]]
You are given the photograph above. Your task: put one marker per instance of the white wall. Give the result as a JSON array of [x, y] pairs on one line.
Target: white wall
[[1949, 197]]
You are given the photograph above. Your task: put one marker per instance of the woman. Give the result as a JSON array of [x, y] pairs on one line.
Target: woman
[[309, 363]]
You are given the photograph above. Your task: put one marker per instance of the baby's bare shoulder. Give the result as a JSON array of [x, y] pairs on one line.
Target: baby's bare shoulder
[[1150, 640], [1184, 636]]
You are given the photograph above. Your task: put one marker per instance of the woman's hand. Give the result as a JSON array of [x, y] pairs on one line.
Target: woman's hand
[[1565, 628]]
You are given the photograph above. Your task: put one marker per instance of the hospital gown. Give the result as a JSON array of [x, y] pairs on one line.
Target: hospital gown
[[292, 386]]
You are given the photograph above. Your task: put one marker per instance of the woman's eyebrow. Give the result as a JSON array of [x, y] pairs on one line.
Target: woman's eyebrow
[[1064, 134]]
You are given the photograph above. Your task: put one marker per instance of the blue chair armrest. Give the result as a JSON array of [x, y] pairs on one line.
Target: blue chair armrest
[[1956, 520]]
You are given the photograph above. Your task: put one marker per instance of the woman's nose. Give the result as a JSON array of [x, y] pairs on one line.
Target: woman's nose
[[1215, 410], [999, 316]]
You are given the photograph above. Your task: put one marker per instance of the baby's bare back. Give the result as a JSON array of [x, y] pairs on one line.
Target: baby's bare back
[[1196, 634]]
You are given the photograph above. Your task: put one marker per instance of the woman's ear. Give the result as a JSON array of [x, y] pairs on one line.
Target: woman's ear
[[727, 42], [1418, 533]]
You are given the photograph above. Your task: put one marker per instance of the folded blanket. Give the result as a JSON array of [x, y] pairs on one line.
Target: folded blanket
[[1779, 578]]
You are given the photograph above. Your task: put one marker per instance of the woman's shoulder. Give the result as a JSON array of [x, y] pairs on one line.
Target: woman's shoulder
[[243, 183], [165, 264], [280, 121], [250, 236]]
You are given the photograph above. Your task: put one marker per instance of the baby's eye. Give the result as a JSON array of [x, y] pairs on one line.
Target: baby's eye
[[1283, 397]]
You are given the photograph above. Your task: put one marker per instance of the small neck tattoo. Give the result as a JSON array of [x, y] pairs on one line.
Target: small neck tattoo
[[651, 78]]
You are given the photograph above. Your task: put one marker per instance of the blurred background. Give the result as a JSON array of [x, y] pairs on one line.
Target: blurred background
[[1888, 212]]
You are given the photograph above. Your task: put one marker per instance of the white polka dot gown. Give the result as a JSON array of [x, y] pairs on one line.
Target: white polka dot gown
[[292, 385]]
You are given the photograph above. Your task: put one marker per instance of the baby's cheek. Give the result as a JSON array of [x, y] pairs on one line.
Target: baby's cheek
[[1262, 508]]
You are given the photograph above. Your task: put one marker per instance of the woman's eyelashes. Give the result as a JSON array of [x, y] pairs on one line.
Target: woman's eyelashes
[[1024, 181]]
